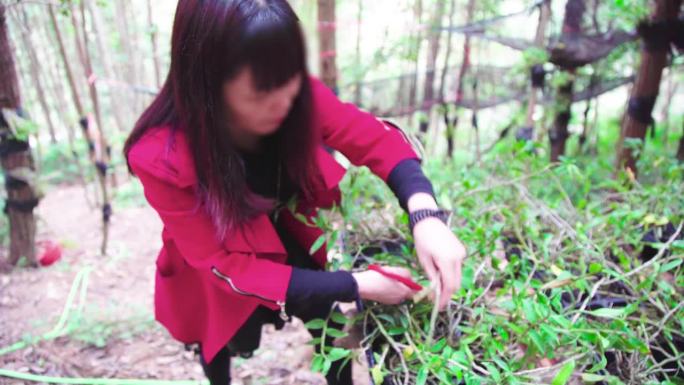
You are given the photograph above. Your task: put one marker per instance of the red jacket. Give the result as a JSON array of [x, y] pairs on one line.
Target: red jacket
[[205, 289]]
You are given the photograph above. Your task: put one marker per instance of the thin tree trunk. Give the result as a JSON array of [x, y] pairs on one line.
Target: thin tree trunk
[[67, 65], [36, 74], [327, 47], [447, 54], [98, 29], [645, 89], [415, 54], [535, 87], [75, 97], [433, 51], [153, 40], [475, 123], [558, 135], [465, 64], [78, 40], [16, 160], [101, 160]]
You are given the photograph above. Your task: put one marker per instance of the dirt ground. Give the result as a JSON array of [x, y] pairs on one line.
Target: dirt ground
[[116, 336]]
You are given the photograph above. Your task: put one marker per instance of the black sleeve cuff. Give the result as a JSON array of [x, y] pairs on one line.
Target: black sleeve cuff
[[321, 286], [406, 179]]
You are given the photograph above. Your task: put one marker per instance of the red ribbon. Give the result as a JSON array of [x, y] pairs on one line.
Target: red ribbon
[[406, 281]]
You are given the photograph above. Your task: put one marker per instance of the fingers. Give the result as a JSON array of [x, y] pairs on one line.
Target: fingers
[[450, 275], [400, 271]]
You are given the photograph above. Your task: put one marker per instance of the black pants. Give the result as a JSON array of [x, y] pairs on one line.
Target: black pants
[[218, 370]]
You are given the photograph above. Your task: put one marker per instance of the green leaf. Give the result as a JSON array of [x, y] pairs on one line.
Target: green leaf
[[326, 366], [595, 268], [589, 377], [339, 318], [377, 374], [671, 265], [317, 364], [315, 324], [608, 312], [421, 378], [529, 310], [317, 244], [564, 374], [493, 371], [336, 333], [338, 353]]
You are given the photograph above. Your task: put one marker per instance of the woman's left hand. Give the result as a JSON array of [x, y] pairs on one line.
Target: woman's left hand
[[441, 254]]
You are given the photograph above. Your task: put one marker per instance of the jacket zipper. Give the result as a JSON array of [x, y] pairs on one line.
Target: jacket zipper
[[283, 315]]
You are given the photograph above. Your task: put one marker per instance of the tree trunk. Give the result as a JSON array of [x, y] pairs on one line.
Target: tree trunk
[[537, 83], [16, 160], [463, 70], [558, 135], [433, 51], [100, 31], [415, 55], [36, 74], [447, 54], [327, 50], [645, 89], [99, 144], [67, 65], [78, 40], [153, 40]]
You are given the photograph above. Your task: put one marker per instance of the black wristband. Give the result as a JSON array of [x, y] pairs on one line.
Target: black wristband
[[421, 214]]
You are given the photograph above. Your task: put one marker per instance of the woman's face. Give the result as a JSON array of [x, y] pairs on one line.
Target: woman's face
[[254, 112]]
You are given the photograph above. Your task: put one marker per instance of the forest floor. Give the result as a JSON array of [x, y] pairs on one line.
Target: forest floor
[[117, 337]]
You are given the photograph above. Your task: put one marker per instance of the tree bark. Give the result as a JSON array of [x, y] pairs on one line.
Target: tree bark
[[447, 54], [558, 135], [539, 42], [463, 70], [433, 51], [415, 55], [36, 74], [153, 39], [327, 48], [645, 89], [67, 65], [99, 143], [16, 160], [100, 31]]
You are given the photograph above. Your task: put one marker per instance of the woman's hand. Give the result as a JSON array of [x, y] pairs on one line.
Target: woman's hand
[[441, 254], [377, 287]]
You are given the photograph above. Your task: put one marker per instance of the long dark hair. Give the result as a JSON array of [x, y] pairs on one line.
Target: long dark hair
[[212, 41]]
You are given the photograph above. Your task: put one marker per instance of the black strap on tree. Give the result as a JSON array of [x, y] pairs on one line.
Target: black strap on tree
[[678, 33], [473, 119], [25, 206], [657, 36], [106, 212], [10, 145], [562, 119], [12, 183], [640, 108], [538, 76]]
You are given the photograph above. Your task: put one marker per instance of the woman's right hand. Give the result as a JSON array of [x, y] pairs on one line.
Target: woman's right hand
[[377, 287]]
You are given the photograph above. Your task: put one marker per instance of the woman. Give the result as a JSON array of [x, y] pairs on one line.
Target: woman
[[236, 133]]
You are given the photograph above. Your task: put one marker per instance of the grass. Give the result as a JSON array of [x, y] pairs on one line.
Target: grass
[[571, 273]]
